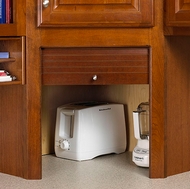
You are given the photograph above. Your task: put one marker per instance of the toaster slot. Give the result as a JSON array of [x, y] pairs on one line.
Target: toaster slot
[[67, 122]]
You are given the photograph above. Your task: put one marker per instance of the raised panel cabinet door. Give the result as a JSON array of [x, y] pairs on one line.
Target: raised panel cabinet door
[[95, 13], [178, 13]]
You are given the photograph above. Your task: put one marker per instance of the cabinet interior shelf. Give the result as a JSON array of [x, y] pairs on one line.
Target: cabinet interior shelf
[[11, 83], [3, 60]]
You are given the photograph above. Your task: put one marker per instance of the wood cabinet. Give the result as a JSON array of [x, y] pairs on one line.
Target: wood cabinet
[[22, 154], [13, 40], [13, 137], [14, 157], [96, 13], [177, 17], [99, 24], [95, 66]]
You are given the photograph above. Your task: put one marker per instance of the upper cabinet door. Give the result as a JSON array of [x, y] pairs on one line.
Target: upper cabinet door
[[178, 13], [95, 13]]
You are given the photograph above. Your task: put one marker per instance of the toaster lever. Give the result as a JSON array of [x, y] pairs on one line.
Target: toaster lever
[[71, 126]]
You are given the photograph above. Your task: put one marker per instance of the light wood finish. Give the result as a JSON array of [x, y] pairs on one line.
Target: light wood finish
[[83, 13], [74, 66]]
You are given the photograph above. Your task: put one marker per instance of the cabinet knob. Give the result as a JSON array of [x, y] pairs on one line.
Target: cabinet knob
[[95, 77], [45, 3]]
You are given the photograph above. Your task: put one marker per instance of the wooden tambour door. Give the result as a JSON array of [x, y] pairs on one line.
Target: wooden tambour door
[[95, 66], [178, 13], [95, 13]]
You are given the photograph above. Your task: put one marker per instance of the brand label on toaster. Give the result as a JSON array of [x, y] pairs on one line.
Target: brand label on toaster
[[139, 158], [104, 109]]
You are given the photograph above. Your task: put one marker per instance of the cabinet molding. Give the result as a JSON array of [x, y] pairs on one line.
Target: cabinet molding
[[96, 13]]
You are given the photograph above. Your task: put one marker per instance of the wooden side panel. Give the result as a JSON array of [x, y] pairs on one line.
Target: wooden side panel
[[12, 130], [74, 66], [98, 13], [157, 98], [33, 168], [178, 109]]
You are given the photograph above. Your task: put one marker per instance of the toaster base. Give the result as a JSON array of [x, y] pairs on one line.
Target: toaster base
[[82, 156]]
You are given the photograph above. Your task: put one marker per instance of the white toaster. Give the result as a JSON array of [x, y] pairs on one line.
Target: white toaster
[[89, 129]]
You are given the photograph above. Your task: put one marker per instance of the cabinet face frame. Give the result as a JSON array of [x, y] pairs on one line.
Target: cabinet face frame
[[177, 13], [96, 13]]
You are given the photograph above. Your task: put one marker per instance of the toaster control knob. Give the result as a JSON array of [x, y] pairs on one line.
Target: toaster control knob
[[64, 145]]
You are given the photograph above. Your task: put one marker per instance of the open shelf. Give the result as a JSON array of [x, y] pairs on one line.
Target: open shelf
[[10, 83], [15, 65], [3, 60]]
